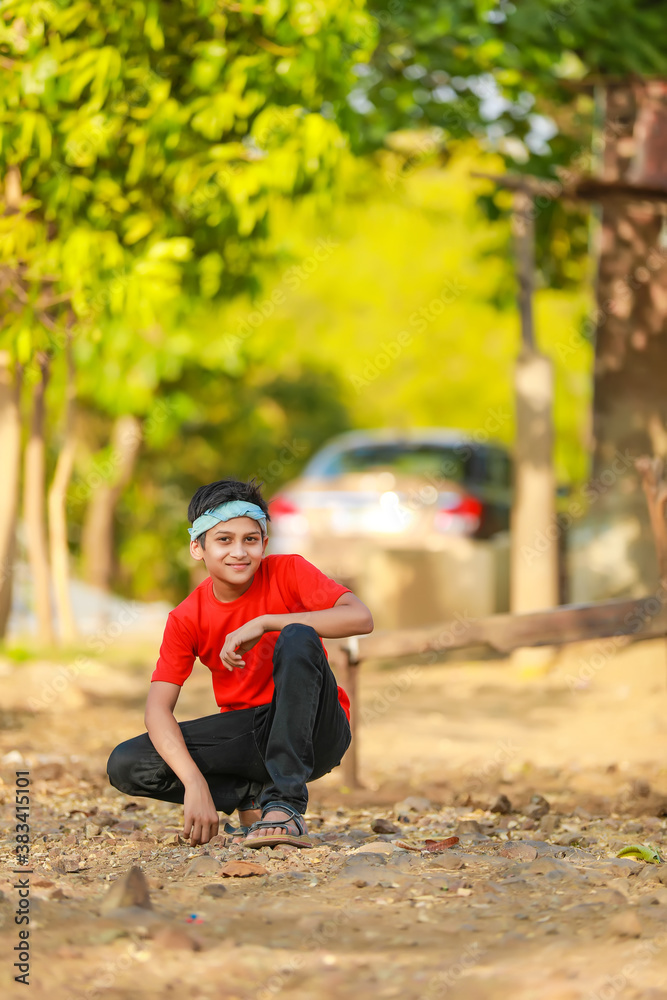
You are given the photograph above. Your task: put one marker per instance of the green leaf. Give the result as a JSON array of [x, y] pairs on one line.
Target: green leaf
[[643, 853]]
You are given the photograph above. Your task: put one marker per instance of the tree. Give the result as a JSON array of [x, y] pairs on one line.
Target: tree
[[145, 141]]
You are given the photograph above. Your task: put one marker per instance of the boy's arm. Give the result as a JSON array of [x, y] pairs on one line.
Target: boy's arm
[[200, 817], [348, 616]]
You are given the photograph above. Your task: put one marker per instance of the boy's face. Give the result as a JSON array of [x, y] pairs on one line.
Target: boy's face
[[233, 552]]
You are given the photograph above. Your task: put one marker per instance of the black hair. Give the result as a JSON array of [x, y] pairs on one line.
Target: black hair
[[221, 491]]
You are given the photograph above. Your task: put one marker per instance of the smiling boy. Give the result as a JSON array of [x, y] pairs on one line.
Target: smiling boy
[[257, 623]]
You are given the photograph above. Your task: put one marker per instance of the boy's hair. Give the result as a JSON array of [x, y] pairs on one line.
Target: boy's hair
[[213, 494]]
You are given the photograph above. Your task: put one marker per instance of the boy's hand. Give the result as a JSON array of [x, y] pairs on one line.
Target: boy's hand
[[200, 817], [241, 639]]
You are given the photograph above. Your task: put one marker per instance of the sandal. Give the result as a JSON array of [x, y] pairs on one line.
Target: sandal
[[235, 831], [302, 840]]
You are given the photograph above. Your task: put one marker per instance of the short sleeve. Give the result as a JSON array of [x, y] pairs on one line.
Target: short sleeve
[[312, 590], [177, 654]]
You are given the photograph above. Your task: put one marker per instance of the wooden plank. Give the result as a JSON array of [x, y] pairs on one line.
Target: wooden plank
[[642, 618]]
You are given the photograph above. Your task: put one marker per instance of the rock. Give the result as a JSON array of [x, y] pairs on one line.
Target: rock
[[129, 890], [448, 861], [376, 847], [537, 808], [640, 787], [626, 925], [242, 869], [468, 827], [92, 830], [126, 826], [69, 863], [654, 873], [625, 866], [502, 805], [175, 938], [51, 771], [413, 803], [656, 897], [215, 890], [549, 824], [518, 852], [381, 825], [203, 865]]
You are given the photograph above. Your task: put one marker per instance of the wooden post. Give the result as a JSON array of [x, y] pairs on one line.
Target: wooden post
[[652, 474], [534, 541]]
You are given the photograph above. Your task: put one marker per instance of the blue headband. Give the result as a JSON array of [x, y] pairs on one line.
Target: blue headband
[[225, 512]]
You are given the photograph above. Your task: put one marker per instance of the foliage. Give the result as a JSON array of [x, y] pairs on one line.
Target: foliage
[[150, 137]]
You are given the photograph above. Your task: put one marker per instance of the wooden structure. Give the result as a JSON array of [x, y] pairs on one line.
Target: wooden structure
[[636, 619]]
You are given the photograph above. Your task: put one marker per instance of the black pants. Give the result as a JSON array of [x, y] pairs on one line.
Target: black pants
[[255, 755]]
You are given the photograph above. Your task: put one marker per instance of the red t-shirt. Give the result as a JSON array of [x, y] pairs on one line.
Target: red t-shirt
[[283, 584]]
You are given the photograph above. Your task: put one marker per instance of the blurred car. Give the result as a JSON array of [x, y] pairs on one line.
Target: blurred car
[[394, 489]]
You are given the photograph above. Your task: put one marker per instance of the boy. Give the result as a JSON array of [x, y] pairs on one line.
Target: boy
[[256, 622]]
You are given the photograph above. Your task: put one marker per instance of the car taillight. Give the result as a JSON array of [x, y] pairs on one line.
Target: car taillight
[[288, 519], [459, 514], [280, 506]]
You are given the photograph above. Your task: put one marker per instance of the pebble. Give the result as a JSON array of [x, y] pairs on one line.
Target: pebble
[[203, 865], [518, 852], [215, 890], [413, 803], [626, 925], [381, 825], [501, 805], [175, 938], [242, 869], [376, 847], [130, 889], [537, 808]]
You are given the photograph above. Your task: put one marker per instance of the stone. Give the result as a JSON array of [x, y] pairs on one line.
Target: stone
[[175, 938], [215, 890], [625, 866], [549, 824], [468, 827], [377, 847], [203, 865], [501, 805], [69, 863], [413, 803], [381, 825], [126, 826], [625, 925], [537, 808], [518, 852], [242, 869], [654, 873], [129, 890]]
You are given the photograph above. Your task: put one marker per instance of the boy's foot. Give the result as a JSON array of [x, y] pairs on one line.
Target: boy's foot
[[287, 825], [289, 828], [249, 816], [246, 818]]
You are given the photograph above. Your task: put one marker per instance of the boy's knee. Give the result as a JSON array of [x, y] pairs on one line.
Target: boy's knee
[[119, 767], [296, 633]]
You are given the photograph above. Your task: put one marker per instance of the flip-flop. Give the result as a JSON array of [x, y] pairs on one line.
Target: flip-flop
[[302, 840]]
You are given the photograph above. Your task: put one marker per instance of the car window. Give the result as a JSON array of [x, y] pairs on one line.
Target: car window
[[436, 461]]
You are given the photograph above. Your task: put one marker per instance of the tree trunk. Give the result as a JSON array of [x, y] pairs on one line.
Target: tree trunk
[[534, 546], [34, 490], [97, 540], [630, 387], [10, 449], [59, 548]]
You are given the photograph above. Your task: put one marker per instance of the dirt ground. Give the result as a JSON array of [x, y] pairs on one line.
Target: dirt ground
[[531, 902]]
